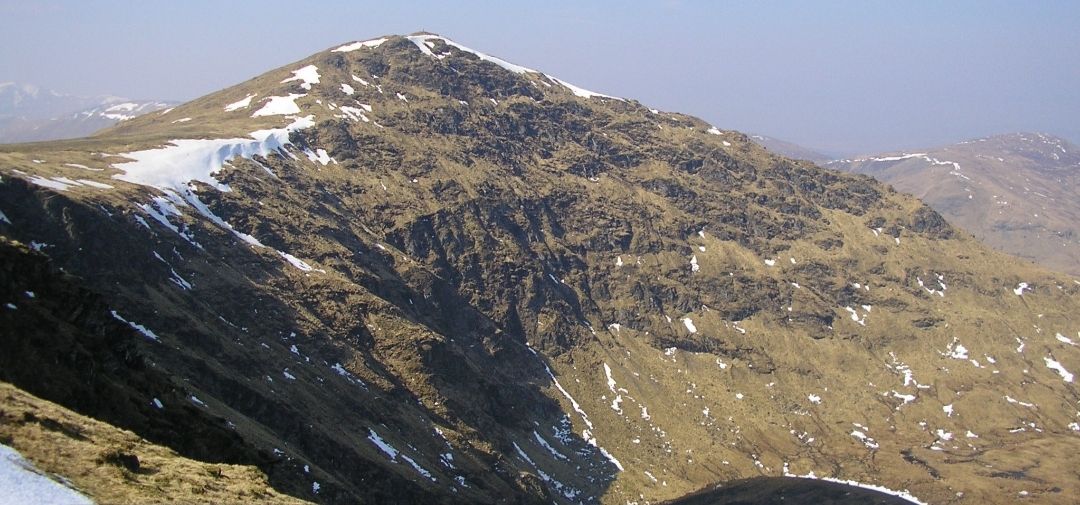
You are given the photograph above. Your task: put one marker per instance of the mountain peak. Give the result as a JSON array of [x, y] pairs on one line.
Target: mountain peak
[[27, 88], [402, 270], [426, 42], [347, 81]]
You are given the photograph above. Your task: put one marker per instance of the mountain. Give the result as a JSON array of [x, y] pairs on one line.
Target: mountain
[[29, 113], [1019, 193], [791, 150], [401, 270], [33, 102]]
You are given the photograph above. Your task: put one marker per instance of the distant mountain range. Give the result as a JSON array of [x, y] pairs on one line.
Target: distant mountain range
[[29, 113], [1018, 192], [791, 150]]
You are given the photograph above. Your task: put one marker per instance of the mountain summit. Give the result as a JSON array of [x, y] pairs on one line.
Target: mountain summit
[[402, 271]]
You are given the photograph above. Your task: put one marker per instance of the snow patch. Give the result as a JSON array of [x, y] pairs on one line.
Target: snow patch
[[422, 41], [386, 448], [904, 494], [1018, 402], [174, 167], [419, 469], [611, 458], [93, 184], [940, 293], [240, 104], [905, 398], [1054, 365], [20, 482], [615, 404], [855, 316], [138, 327], [319, 156], [308, 75], [57, 183], [586, 434], [182, 161], [371, 44], [544, 443], [355, 114], [280, 105], [955, 350], [868, 441]]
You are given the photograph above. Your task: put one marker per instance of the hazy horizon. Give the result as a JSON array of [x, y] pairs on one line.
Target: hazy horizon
[[841, 77]]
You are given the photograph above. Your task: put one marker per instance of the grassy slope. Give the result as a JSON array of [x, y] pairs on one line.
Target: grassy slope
[[111, 465]]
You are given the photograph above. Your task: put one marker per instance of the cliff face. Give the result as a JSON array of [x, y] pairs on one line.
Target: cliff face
[[402, 270]]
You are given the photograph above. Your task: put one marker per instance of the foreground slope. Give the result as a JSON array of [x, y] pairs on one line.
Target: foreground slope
[[1019, 193], [116, 466], [401, 270]]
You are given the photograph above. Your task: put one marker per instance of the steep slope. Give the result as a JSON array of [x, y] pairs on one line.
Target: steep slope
[[404, 271], [116, 466], [1019, 192]]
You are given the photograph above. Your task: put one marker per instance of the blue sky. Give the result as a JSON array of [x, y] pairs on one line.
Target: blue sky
[[842, 76]]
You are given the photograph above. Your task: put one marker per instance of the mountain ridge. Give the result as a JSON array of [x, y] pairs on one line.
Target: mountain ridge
[[421, 275], [1015, 191], [792, 150]]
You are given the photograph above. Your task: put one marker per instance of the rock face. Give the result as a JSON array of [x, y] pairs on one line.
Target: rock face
[[1015, 192], [404, 271]]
